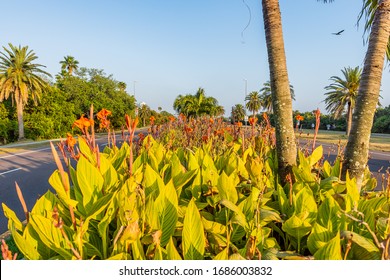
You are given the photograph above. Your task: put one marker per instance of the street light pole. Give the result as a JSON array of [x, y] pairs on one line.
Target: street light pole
[[134, 88]]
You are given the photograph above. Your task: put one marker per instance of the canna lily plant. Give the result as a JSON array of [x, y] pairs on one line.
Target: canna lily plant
[[186, 196]]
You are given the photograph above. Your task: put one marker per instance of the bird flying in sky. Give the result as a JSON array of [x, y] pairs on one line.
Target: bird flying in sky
[[338, 33]]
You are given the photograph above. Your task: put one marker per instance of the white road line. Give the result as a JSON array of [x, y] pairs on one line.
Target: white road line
[[29, 152], [9, 171]]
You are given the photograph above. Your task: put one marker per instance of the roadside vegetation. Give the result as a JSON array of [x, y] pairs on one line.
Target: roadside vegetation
[[198, 188]]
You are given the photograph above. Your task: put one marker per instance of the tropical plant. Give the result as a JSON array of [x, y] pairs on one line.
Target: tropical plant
[[69, 64], [218, 199], [343, 92], [144, 113], [378, 24], [21, 79], [122, 86], [253, 102], [197, 105], [281, 95], [266, 96], [238, 113]]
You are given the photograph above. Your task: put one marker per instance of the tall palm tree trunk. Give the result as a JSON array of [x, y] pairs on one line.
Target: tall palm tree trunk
[[281, 95], [19, 111], [356, 152], [349, 118]]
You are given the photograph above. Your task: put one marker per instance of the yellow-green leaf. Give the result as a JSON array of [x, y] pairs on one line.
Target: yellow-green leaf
[[193, 234], [330, 251]]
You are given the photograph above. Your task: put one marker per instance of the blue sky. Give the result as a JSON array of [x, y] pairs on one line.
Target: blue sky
[[172, 47]]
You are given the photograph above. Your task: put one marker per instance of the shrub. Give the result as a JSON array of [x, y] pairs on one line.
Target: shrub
[[212, 198]]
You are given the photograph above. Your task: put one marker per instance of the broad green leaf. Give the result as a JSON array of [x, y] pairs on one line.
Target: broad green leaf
[[238, 217], [100, 205], [296, 227], [236, 257], [352, 197], [13, 220], [45, 205], [120, 256], [181, 179], [152, 182], [267, 216], [362, 248], [137, 250], [326, 169], [251, 203], [284, 205], [305, 205], [172, 253], [315, 156], [328, 214], [56, 182], [86, 151], [27, 244], [213, 227], [193, 234], [227, 188], [90, 182], [50, 235], [330, 251], [223, 255], [336, 169], [318, 238], [166, 206], [119, 159], [192, 162], [110, 175]]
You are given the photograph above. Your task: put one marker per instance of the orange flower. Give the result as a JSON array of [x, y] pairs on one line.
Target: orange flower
[[104, 123], [252, 121], [188, 129], [103, 114], [172, 118], [152, 119], [219, 132], [82, 123], [205, 138], [70, 141], [211, 120], [239, 124], [299, 118], [182, 117]]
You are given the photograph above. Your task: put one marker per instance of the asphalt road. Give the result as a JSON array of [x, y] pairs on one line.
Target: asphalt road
[[31, 170]]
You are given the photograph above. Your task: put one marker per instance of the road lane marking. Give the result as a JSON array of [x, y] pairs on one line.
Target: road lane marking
[[24, 153], [9, 171]]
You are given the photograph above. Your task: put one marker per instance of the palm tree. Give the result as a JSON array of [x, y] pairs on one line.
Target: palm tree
[[196, 105], [253, 103], [238, 112], [70, 64], [266, 96], [356, 152], [144, 113], [21, 79], [343, 92], [122, 86], [286, 148]]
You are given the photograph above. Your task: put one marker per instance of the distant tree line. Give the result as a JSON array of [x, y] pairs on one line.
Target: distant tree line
[[33, 106]]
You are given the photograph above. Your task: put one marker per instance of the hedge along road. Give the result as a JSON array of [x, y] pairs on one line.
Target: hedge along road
[[31, 169]]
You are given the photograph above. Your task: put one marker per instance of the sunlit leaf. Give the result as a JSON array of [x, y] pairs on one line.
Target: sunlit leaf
[[193, 235]]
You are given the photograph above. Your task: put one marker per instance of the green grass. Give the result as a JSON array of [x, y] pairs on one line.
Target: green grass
[[378, 142]]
